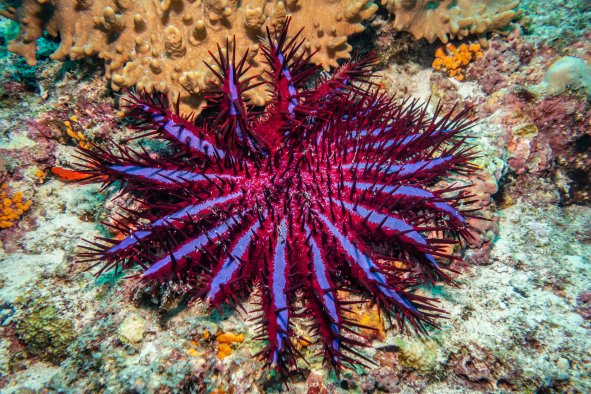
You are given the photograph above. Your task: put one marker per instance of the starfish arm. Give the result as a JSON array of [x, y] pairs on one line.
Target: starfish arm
[[324, 303], [180, 257], [156, 117], [367, 272], [176, 220], [407, 193], [277, 308], [227, 271], [233, 121]]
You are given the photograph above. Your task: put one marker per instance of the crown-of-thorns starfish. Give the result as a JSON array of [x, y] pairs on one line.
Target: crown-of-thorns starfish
[[330, 190]]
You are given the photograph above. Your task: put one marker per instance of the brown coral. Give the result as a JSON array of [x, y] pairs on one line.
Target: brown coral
[[161, 45], [455, 19]]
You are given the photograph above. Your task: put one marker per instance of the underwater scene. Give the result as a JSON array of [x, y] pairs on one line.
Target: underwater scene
[[295, 196]]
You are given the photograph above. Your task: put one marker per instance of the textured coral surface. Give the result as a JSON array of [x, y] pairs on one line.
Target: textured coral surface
[[451, 19], [161, 45]]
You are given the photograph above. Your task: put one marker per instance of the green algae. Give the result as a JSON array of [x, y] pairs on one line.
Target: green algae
[[12, 30], [44, 332], [418, 354]]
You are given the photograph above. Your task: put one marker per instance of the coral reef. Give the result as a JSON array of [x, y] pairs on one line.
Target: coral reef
[[246, 189], [451, 19], [161, 45], [452, 94], [556, 23], [546, 113], [519, 321], [532, 312]]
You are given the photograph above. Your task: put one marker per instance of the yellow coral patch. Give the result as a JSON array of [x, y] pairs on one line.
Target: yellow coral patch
[[302, 342], [370, 318], [220, 390], [375, 321], [455, 59], [40, 175], [229, 337], [77, 136], [205, 334], [195, 353], [224, 350], [224, 340], [12, 207]]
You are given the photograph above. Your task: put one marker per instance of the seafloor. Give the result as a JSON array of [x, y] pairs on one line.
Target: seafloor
[[519, 321]]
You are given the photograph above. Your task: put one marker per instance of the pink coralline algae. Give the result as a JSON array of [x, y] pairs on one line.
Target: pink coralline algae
[[584, 305], [547, 131], [330, 190], [550, 135]]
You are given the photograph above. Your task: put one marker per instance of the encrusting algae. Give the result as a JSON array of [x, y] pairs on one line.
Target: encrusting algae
[[44, 331], [12, 208]]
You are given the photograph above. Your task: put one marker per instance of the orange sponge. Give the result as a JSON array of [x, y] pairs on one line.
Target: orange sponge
[[11, 207], [454, 59]]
